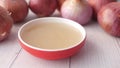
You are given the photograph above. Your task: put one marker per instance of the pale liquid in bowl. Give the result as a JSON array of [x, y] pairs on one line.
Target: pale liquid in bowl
[[51, 35]]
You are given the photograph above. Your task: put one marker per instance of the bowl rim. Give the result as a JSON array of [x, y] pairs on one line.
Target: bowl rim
[[51, 50]]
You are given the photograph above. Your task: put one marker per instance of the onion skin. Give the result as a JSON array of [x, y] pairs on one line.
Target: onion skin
[[98, 4], [17, 8], [60, 2], [43, 8], [109, 18], [77, 10], [6, 23]]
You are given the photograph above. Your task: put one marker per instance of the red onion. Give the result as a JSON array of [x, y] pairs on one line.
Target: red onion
[[97, 4], [17, 8], [43, 8], [109, 18], [5, 23], [77, 10]]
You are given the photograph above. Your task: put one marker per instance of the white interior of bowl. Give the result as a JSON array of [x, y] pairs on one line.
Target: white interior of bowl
[[51, 19]]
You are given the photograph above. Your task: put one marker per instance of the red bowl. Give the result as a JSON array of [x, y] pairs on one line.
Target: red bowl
[[52, 54]]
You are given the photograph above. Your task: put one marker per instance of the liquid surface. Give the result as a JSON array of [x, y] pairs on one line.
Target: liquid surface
[[51, 36]]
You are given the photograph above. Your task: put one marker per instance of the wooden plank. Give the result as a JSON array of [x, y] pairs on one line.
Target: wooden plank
[[100, 51], [9, 49], [26, 60]]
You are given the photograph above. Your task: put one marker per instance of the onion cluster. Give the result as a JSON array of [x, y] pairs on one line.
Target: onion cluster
[[106, 11]]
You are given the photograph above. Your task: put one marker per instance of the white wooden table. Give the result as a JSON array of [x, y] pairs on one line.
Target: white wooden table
[[100, 51]]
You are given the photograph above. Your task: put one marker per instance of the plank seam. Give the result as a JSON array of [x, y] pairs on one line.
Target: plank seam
[[10, 65]]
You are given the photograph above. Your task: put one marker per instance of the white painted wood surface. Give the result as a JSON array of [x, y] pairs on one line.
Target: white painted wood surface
[[100, 51]]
